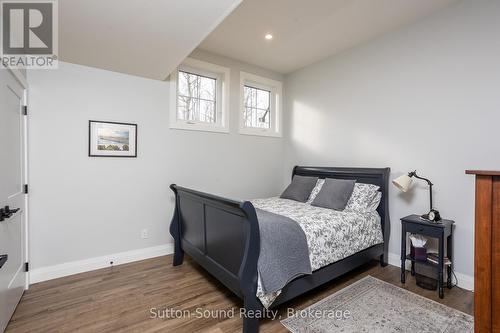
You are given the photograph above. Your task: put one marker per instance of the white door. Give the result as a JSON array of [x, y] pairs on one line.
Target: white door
[[12, 180]]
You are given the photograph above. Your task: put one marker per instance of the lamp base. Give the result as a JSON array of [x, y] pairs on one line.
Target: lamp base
[[425, 217]]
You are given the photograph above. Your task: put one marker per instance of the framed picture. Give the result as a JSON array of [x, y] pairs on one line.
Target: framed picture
[[110, 139]]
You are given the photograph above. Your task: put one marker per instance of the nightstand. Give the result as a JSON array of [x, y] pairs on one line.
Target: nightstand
[[442, 230]]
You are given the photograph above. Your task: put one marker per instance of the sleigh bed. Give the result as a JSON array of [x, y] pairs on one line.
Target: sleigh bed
[[222, 235]]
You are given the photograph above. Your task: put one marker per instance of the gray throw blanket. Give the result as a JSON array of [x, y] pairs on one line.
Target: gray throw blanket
[[284, 254]]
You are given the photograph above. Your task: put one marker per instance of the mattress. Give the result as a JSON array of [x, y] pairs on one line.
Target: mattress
[[331, 235]]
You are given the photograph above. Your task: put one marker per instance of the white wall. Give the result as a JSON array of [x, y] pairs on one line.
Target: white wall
[[425, 97], [82, 207]]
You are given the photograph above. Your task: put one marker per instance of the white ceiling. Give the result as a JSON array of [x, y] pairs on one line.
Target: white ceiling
[[147, 38], [306, 31]]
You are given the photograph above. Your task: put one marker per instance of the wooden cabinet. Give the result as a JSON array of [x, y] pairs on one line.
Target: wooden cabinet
[[487, 251]]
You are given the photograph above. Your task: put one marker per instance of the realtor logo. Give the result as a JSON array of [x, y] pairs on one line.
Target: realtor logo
[[29, 34]]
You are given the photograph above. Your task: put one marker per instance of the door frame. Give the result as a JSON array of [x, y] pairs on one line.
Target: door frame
[[21, 79]]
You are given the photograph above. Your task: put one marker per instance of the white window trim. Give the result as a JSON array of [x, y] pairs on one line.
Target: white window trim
[[276, 88], [222, 99]]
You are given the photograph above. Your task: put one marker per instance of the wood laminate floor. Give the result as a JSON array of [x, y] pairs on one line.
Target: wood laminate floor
[[120, 299]]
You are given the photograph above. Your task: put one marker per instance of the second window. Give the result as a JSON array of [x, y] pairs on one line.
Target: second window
[[260, 105]]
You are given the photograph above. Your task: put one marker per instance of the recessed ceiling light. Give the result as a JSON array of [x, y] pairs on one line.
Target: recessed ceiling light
[[268, 36]]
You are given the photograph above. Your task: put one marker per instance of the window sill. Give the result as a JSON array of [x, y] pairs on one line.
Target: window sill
[[199, 127], [260, 132]]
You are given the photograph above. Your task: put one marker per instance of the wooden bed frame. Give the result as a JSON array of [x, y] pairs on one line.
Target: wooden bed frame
[[222, 235]]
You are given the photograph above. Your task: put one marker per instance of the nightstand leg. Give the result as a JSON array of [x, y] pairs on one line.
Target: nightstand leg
[[403, 254], [448, 280], [449, 253], [412, 268], [441, 266]]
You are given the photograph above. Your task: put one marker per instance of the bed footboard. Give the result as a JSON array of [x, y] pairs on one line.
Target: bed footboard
[[222, 236]]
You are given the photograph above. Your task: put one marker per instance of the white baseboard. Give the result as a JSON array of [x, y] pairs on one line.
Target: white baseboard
[[464, 281], [80, 266], [74, 267]]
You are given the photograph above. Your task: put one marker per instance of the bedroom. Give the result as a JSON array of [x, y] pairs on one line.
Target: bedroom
[[324, 85]]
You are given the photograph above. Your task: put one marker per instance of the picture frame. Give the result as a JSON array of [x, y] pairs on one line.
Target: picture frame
[[112, 139]]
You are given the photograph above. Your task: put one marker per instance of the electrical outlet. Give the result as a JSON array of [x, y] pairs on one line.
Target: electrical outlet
[[144, 233]]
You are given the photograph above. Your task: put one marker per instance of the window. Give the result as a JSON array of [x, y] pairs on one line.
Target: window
[[196, 97], [257, 107], [199, 97], [260, 105]]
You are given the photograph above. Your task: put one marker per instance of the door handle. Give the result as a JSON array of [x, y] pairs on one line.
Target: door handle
[[3, 259], [6, 212]]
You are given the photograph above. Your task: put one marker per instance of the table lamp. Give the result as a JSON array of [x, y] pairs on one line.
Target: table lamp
[[404, 182]]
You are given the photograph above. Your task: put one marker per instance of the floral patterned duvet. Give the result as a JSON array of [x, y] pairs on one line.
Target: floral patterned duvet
[[331, 235]]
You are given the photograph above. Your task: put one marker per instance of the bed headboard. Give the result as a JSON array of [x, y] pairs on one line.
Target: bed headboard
[[375, 176]]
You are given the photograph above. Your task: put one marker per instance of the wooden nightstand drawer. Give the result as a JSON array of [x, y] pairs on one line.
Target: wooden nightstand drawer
[[415, 228]]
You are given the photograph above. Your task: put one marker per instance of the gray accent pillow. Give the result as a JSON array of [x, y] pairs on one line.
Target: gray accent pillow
[[300, 188], [334, 194]]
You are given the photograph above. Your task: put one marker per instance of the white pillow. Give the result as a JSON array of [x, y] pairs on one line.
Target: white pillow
[[315, 191], [374, 204], [363, 197]]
